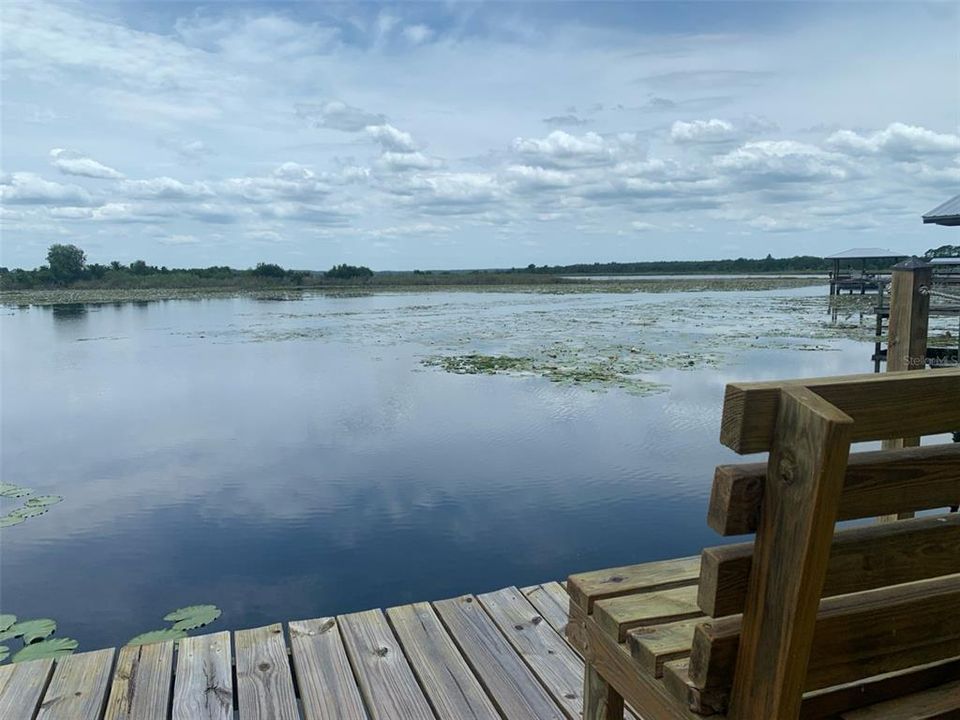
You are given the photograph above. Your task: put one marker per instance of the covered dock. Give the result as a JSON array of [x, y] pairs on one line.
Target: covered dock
[[845, 274]]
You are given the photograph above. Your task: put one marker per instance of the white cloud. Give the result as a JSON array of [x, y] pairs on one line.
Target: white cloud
[[898, 141], [73, 163], [391, 139], [783, 161], [30, 189], [702, 131], [402, 161], [165, 188], [337, 115], [561, 149], [417, 34], [179, 240]]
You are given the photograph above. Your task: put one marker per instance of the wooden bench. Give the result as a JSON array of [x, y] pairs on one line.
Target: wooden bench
[[807, 620]]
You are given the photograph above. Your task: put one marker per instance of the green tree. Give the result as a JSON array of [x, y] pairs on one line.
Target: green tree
[[349, 272], [270, 270], [66, 262]]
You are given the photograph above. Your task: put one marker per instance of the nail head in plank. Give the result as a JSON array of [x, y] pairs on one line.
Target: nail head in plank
[[327, 687], [552, 601], [141, 682], [453, 690], [264, 684], [78, 688], [382, 671], [510, 683], [880, 482], [203, 686], [921, 400], [21, 686], [620, 614], [545, 652], [586, 588]]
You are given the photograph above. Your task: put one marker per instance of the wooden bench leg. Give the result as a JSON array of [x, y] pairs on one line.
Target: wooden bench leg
[[600, 701]]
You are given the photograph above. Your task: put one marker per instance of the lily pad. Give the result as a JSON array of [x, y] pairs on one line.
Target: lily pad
[[8, 520], [6, 621], [193, 616], [4, 652], [14, 491], [33, 630], [155, 636], [51, 648], [28, 511], [42, 500]]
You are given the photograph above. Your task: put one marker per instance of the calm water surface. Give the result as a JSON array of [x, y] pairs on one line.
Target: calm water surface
[[285, 460]]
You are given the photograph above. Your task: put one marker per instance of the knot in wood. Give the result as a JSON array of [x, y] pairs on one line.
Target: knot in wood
[[787, 469], [263, 667], [382, 651]]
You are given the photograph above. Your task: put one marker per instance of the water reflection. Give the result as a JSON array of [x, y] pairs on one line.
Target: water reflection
[[286, 460]]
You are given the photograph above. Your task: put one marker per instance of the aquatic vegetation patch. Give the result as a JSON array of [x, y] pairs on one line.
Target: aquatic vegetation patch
[[35, 638], [33, 507], [183, 619]]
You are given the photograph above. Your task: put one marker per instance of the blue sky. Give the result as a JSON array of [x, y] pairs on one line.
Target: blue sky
[[452, 134]]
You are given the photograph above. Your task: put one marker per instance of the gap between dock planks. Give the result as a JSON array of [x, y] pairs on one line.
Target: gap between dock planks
[[482, 657]]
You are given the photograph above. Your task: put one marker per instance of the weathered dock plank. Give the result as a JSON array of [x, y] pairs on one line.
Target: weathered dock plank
[[445, 676], [78, 688], [544, 652], [141, 683], [511, 684], [203, 689], [21, 687], [388, 684], [328, 689], [264, 684], [552, 601]]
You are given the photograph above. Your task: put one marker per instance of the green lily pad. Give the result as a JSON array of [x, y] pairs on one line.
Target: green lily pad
[[6, 621], [14, 491], [31, 630], [51, 648], [28, 511], [194, 616], [42, 500], [155, 636], [8, 520], [4, 652]]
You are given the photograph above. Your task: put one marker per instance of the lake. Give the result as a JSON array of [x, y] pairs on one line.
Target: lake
[[286, 459]]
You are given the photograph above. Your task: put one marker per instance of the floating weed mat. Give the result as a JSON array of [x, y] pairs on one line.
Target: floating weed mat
[[34, 635], [31, 508], [184, 619]]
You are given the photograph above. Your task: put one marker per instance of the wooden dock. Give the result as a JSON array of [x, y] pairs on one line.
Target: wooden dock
[[495, 655]]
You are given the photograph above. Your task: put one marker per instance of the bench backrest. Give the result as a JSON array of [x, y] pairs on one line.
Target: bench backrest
[[807, 606]]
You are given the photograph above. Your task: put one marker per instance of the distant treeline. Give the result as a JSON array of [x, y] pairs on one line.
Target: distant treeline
[[67, 267]]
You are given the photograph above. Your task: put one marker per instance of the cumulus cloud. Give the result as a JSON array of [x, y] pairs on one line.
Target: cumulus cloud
[[568, 120], [165, 188], [449, 193], [186, 148], [73, 163], [25, 188], [337, 115], [403, 161], [702, 131], [391, 139], [898, 141], [783, 161], [561, 149]]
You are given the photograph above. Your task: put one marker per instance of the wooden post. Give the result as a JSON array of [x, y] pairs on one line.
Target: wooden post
[[801, 498], [600, 701], [907, 333]]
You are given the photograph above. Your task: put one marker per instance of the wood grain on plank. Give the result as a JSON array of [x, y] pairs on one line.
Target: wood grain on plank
[[141, 682], [264, 684], [856, 636], [921, 400], [21, 687], [861, 558], [586, 588], [547, 654], [657, 644], [879, 482], [446, 678], [937, 703], [328, 689], [385, 678], [78, 688], [805, 472], [512, 686], [620, 614], [203, 687]]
